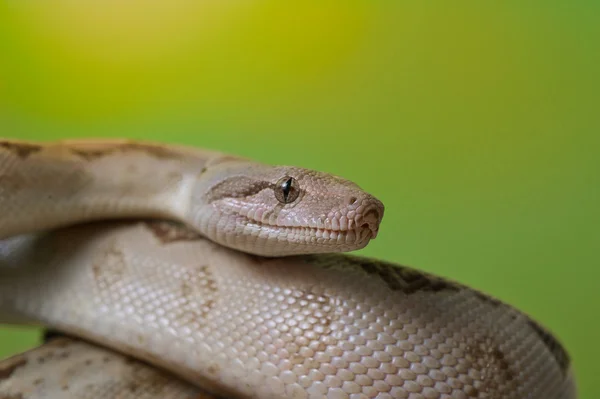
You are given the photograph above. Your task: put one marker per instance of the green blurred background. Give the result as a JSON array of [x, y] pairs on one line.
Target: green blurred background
[[477, 124]]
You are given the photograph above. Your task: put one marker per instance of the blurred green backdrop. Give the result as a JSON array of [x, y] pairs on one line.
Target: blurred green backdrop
[[476, 123]]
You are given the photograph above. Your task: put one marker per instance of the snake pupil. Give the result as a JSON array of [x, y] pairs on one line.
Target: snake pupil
[[287, 190]]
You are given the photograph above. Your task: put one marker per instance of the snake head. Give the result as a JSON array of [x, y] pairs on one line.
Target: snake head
[[284, 210]]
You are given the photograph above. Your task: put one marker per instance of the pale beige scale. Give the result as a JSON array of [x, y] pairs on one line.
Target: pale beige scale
[[232, 295], [69, 368]]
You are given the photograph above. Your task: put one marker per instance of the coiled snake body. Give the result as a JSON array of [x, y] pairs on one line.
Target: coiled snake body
[[227, 276]]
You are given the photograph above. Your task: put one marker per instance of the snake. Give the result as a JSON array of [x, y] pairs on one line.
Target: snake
[[173, 271]]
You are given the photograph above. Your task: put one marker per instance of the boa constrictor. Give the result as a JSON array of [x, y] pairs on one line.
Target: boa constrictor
[[176, 271]]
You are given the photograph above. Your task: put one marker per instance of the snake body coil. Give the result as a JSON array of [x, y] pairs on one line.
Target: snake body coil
[[228, 279]]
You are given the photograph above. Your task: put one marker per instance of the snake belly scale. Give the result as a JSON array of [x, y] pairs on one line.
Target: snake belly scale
[[223, 272]]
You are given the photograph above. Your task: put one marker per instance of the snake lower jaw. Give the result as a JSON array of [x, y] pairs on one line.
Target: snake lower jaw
[[300, 240]]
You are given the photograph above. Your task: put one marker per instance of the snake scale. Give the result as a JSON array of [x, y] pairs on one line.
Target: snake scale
[[176, 272]]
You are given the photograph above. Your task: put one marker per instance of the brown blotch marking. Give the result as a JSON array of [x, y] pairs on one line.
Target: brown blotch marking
[[38, 381], [61, 343], [324, 310], [198, 288], [157, 151], [396, 277], [141, 378], [554, 346], [193, 281], [51, 354], [404, 279], [237, 187], [169, 232], [89, 154], [186, 289], [213, 369], [8, 370], [97, 270], [22, 150], [109, 270], [496, 373], [487, 299], [325, 304], [133, 386]]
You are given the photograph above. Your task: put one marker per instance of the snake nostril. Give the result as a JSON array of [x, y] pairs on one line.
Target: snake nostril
[[352, 200], [372, 216], [370, 221]]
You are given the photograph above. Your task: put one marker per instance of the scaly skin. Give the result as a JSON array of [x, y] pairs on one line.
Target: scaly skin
[[74, 369], [198, 302], [230, 200], [243, 326]]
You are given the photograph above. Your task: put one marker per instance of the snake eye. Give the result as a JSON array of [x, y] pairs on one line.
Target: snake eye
[[287, 190]]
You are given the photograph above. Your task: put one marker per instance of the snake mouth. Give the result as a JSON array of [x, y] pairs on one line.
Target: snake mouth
[[274, 234], [310, 235], [350, 228]]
